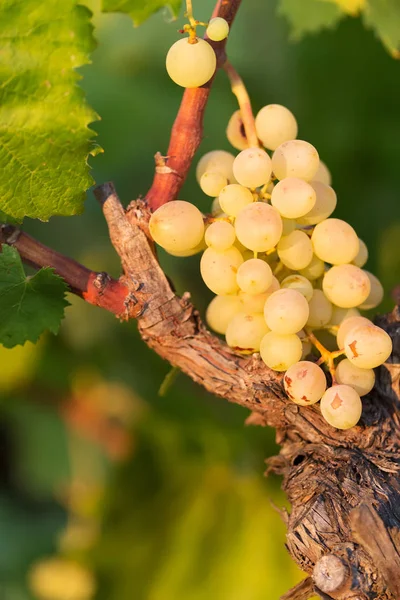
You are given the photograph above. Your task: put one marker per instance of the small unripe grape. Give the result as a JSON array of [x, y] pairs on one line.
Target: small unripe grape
[[177, 226], [258, 227], [245, 332], [367, 346], [217, 161], [212, 183], [235, 132], [221, 311], [305, 383], [295, 250], [346, 286], [323, 174], [252, 167], [217, 29], [275, 124], [324, 206], [320, 310], [234, 197], [295, 158], [376, 293], [286, 311], [300, 284], [335, 241], [218, 270], [254, 276], [362, 255], [347, 325], [220, 235], [362, 380], [189, 64], [314, 269], [341, 406], [279, 352], [293, 197]]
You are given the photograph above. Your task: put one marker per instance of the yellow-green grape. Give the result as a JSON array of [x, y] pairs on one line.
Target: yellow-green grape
[[320, 310], [217, 161], [362, 380], [245, 332], [279, 352], [177, 226], [323, 174], [218, 270], [295, 250], [289, 225], [367, 346], [216, 209], [212, 183], [221, 311], [190, 252], [347, 325], [341, 314], [346, 286], [190, 64], [293, 197], [233, 198], [235, 132], [305, 383], [254, 276], [61, 579], [307, 345], [300, 284], [220, 235], [295, 158], [286, 311], [376, 293], [362, 255], [217, 29], [258, 227], [275, 124], [324, 205], [335, 241], [254, 303], [252, 167], [314, 269], [341, 406]]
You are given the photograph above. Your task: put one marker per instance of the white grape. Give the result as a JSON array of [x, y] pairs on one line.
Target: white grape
[[275, 124], [217, 161], [293, 197], [234, 197], [189, 252], [258, 227], [307, 345], [279, 352], [235, 132], [212, 183], [216, 209], [367, 346], [217, 29], [220, 235], [254, 276], [314, 269], [177, 226], [362, 380], [341, 406], [286, 311], [305, 383], [218, 270], [324, 206], [190, 64], [295, 250], [362, 255], [300, 284], [320, 310], [341, 314], [254, 303], [221, 311], [323, 174], [245, 332], [346, 286], [295, 158], [376, 293], [347, 325], [335, 241], [289, 225], [252, 167]]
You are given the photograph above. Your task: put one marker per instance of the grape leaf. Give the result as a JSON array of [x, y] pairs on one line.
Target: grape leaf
[[140, 10], [309, 16], [44, 136], [28, 305], [384, 17]]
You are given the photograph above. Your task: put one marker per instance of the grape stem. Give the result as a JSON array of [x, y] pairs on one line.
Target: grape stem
[[327, 356], [243, 98]]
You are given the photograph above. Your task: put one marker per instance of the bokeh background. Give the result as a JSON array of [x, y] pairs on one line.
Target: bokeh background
[[163, 497]]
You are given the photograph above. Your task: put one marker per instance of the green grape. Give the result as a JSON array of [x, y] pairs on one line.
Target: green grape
[[341, 406], [217, 161], [218, 270], [314, 269], [191, 64], [221, 311], [217, 29], [295, 250], [286, 311], [245, 332], [375, 295], [324, 206], [233, 198], [300, 284], [212, 183], [293, 197], [258, 227], [320, 310], [252, 167], [254, 276], [323, 174], [305, 383], [347, 325], [335, 241], [367, 346], [177, 226], [220, 235], [275, 124], [346, 286], [295, 158], [362, 380], [279, 352]]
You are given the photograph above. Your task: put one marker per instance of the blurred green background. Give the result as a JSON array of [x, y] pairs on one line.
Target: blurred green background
[[163, 498]]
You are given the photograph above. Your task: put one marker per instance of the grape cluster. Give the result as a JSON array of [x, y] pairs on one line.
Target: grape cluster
[[281, 267]]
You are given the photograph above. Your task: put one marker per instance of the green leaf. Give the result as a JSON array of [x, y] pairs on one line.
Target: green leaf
[[384, 17], [28, 305], [140, 10], [44, 136], [309, 16]]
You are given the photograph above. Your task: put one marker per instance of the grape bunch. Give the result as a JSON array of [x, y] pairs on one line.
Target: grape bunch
[[282, 269]]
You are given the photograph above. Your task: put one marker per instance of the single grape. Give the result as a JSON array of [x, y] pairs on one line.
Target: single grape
[[341, 314], [367, 346], [191, 64], [279, 352], [221, 311], [362, 380], [235, 132], [286, 311], [314, 269], [335, 241], [295, 158], [289, 225], [254, 276], [323, 174], [212, 183], [305, 383], [347, 325], [217, 161], [320, 310], [346, 286], [177, 226], [341, 406], [190, 252], [220, 235], [376, 293], [218, 270], [324, 206], [254, 303], [233, 198], [300, 284], [275, 124], [252, 167], [295, 250], [217, 29], [216, 209], [293, 197], [307, 345], [362, 255], [61, 579], [245, 332], [258, 227]]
